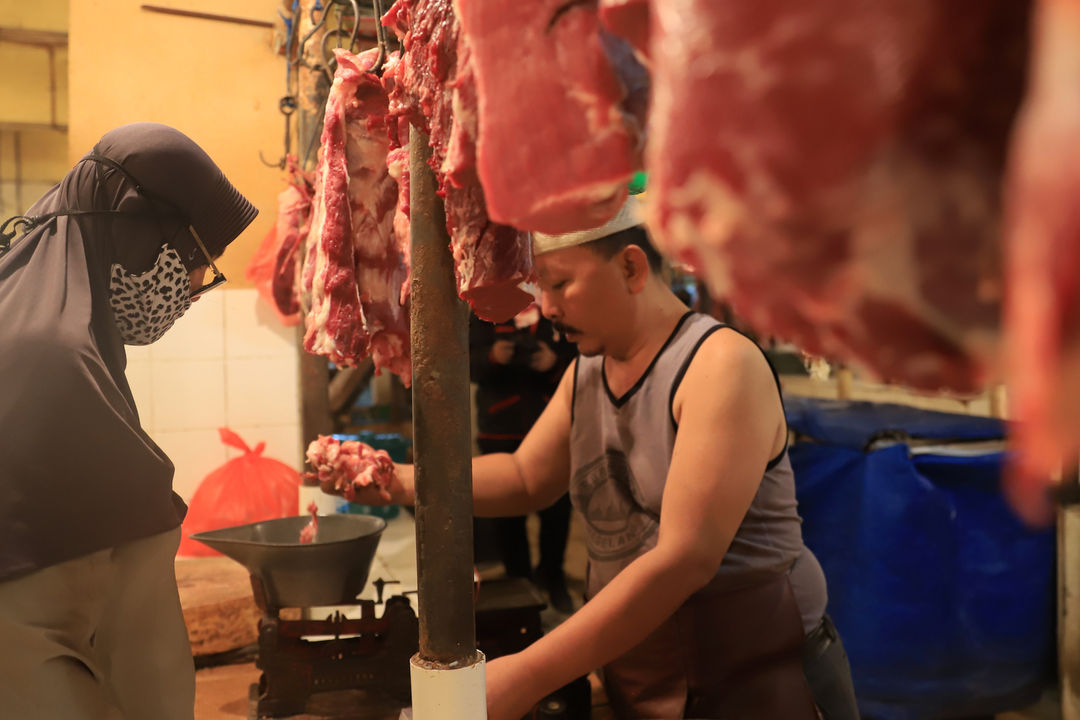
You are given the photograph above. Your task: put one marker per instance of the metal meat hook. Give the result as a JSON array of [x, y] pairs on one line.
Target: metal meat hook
[[328, 57], [287, 106], [380, 36], [315, 27]]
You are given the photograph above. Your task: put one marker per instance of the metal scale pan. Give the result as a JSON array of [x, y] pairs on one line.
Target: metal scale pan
[[330, 571]]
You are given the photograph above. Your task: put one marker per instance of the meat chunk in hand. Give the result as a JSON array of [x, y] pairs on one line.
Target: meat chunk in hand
[[342, 468]]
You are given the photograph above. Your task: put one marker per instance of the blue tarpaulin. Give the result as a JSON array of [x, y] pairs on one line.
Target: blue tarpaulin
[[944, 600], [854, 424]]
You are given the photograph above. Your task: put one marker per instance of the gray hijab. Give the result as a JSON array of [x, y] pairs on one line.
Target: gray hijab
[[77, 471]]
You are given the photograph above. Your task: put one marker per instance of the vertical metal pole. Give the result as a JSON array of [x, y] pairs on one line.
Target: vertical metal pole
[[440, 361]]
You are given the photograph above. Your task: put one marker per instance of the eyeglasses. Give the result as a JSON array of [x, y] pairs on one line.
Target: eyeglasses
[[219, 277]]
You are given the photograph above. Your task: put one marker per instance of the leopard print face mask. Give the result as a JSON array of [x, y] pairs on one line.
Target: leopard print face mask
[[147, 304]]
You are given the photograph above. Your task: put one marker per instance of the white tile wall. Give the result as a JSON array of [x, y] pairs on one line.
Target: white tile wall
[[188, 394], [253, 329], [262, 391], [227, 363], [282, 442], [199, 334], [195, 453], [139, 353]]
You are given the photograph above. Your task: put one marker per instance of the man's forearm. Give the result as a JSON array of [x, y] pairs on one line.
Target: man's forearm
[[499, 489]]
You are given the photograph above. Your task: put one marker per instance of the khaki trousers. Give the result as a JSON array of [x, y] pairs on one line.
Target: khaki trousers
[[100, 637]]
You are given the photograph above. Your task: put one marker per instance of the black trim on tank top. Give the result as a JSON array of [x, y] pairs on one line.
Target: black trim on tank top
[[682, 371], [686, 364], [620, 401]]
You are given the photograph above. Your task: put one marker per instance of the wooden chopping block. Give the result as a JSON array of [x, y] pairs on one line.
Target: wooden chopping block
[[218, 604]]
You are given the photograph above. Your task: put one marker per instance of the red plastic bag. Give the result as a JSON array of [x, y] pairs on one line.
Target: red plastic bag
[[244, 490]]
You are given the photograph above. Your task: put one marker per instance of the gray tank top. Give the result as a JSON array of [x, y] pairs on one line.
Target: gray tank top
[[620, 451]]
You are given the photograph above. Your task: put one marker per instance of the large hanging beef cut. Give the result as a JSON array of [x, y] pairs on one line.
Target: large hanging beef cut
[[834, 168], [292, 226], [556, 149], [356, 266], [837, 170], [432, 86]]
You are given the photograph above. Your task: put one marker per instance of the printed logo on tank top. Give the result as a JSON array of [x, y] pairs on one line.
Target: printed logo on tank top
[[616, 526]]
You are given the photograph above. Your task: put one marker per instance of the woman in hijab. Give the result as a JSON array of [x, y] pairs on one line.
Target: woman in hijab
[[90, 620]]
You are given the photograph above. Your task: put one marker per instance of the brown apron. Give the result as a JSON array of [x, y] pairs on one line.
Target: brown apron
[[735, 655]]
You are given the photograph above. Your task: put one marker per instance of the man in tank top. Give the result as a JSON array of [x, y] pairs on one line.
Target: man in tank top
[[668, 431]]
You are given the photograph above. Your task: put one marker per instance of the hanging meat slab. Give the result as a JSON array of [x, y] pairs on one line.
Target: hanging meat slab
[[293, 223], [432, 87], [397, 164], [837, 171], [555, 151], [357, 268], [834, 169], [335, 326]]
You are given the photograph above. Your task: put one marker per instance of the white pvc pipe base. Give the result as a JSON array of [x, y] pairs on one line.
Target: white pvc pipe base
[[440, 693]]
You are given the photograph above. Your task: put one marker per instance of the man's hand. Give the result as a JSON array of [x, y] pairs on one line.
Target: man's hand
[[502, 352], [398, 492], [544, 358]]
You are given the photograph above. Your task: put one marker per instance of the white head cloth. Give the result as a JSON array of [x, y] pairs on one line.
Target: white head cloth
[[629, 215]]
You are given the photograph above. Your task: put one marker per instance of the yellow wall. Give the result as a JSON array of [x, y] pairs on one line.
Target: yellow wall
[[24, 89], [33, 155], [35, 14], [217, 82], [43, 152], [43, 161]]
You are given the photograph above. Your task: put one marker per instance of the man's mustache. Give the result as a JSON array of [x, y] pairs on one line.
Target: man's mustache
[[564, 329]]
